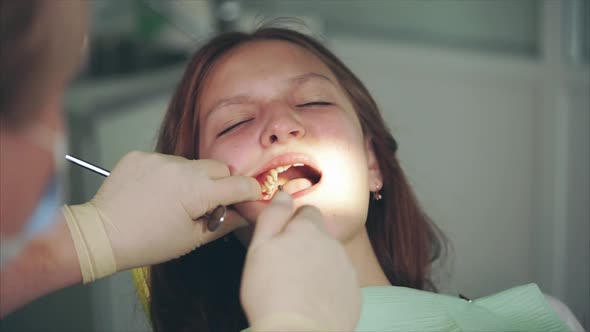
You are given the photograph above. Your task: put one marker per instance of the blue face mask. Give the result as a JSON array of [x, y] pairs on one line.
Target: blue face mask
[[45, 215], [47, 211]]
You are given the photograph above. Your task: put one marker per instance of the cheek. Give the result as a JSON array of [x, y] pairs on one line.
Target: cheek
[[340, 135], [341, 125], [234, 152]]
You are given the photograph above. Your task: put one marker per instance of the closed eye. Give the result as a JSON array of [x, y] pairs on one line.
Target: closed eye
[[315, 103], [230, 128]]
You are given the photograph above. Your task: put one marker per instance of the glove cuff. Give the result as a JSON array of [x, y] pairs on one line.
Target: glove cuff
[[92, 244]]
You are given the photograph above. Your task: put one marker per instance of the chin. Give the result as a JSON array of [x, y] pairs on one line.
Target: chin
[[341, 224]]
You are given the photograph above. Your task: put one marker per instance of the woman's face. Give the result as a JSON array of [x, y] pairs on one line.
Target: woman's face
[[269, 107]]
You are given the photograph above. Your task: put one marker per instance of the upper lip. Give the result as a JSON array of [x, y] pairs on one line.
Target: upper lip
[[287, 159]]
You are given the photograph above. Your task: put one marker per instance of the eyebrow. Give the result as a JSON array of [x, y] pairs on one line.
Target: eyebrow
[[242, 98], [300, 79]]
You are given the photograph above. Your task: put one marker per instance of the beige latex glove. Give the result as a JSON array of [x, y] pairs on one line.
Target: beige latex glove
[[296, 277], [146, 212]]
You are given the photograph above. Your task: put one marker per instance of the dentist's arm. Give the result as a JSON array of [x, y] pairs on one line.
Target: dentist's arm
[[147, 200], [47, 264]]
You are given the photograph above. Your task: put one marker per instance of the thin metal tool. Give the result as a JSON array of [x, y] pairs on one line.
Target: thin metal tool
[[88, 165]]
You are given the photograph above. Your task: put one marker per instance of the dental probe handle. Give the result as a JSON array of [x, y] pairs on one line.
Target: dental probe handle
[[87, 165]]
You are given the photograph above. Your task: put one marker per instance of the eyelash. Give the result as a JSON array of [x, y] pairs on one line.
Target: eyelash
[[230, 128], [315, 103]]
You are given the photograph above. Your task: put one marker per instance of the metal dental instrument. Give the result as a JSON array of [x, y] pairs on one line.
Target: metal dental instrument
[[88, 165], [214, 219]]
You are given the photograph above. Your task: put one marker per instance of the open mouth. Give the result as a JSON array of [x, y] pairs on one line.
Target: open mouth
[[291, 178]]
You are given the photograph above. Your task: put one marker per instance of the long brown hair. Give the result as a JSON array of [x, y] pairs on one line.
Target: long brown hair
[[200, 291]]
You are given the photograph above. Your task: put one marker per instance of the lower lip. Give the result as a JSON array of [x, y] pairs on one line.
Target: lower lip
[[299, 193]]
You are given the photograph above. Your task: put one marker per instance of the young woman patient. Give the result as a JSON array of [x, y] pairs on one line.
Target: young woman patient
[[278, 106]]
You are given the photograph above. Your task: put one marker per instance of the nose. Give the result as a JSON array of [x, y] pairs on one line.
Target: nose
[[284, 125]]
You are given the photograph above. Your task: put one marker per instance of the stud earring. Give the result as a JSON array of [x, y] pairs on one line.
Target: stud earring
[[376, 194]]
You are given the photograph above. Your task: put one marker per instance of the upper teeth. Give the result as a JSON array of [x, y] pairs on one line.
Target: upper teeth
[[272, 178]]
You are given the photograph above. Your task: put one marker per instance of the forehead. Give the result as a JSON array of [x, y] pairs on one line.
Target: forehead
[[268, 56], [259, 62]]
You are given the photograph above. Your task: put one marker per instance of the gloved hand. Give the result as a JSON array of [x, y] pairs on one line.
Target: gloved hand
[[296, 277], [146, 212]]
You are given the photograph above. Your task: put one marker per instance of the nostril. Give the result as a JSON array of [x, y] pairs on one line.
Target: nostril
[[283, 137]]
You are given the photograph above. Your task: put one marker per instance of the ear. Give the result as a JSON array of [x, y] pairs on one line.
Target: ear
[[375, 179]]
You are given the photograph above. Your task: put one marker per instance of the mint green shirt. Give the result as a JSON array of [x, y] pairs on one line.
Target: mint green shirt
[[522, 308], [390, 308]]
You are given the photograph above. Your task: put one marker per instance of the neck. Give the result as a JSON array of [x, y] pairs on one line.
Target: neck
[[363, 258]]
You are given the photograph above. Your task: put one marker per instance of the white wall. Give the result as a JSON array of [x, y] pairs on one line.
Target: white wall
[[497, 149], [577, 244]]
